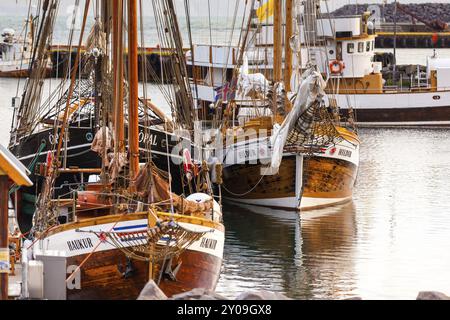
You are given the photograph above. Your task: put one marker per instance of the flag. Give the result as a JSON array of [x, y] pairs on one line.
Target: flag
[[225, 92], [222, 92], [265, 11]]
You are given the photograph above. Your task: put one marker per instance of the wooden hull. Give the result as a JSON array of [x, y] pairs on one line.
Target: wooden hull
[[324, 179], [102, 279], [327, 181], [107, 274]]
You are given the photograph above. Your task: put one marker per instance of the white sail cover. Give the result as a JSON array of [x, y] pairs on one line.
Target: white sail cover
[[251, 84], [310, 91]]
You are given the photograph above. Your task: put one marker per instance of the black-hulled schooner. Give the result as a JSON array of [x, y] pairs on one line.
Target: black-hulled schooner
[[33, 135]]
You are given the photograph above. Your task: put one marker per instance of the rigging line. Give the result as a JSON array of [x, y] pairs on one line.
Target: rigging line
[[164, 42], [249, 191], [168, 161], [33, 95], [21, 61], [233, 27], [144, 78], [191, 44], [211, 72], [226, 32], [45, 8], [59, 91], [24, 42], [70, 278], [72, 84], [30, 167], [241, 44], [164, 91], [185, 101]]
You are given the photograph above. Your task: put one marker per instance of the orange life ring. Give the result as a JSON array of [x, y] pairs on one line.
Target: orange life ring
[[337, 66]]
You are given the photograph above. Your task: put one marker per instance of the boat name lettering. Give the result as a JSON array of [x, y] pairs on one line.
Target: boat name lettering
[[80, 244], [145, 137], [208, 243], [52, 138], [248, 153], [345, 153]]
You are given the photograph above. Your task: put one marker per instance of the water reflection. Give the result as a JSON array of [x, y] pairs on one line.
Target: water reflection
[[327, 254], [304, 258], [259, 250], [390, 243]]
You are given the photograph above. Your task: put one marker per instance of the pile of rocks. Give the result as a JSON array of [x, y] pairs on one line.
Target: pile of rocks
[[427, 11], [152, 292]]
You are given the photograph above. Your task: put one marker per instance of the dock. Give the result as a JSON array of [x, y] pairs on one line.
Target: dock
[[156, 59], [412, 40]]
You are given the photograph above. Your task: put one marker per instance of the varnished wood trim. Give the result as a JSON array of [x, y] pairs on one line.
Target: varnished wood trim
[[134, 216]]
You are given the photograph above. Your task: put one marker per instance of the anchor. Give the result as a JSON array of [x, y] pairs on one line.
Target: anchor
[[170, 273], [129, 270]]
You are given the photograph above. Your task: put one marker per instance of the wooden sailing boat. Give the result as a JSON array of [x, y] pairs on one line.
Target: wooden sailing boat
[[33, 135], [318, 161], [130, 228]]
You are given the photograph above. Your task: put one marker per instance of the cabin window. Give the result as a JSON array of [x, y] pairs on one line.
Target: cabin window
[[368, 44], [360, 47], [350, 48]]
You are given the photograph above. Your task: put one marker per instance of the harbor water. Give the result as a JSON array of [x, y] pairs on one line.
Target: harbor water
[[390, 243]]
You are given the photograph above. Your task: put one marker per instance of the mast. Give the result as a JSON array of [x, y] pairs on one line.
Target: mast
[[119, 146], [106, 98], [277, 42], [133, 116], [287, 46]]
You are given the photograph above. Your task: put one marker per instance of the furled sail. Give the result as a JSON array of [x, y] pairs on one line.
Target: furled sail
[[307, 125]]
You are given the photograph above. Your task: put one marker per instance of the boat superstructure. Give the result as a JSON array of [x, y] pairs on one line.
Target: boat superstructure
[[356, 78]]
